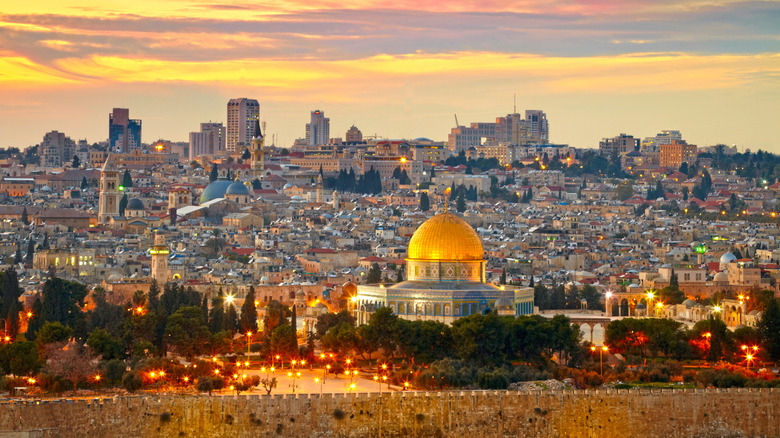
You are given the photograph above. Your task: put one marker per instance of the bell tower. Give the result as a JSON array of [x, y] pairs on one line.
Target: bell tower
[[159, 253], [108, 203], [258, 158]]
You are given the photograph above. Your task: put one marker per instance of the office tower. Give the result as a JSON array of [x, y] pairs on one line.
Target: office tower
[[208, 141], [124, 133], [537, 126], [318, 131], [56, 149], [353, 135], [241, 116], [676, 153], [108, 204]]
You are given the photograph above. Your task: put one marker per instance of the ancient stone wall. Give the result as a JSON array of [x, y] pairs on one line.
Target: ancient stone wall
[[635, 413]]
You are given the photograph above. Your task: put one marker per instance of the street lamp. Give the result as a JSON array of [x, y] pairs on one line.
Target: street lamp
[[602, 350], [248, 343], [650, 296]]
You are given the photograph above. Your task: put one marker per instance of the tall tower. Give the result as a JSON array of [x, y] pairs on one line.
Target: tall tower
[[124, 133], [336, 200], [108, 204], [159, 253], [318, 131], [319, 189], [241, 116], [258, 157]]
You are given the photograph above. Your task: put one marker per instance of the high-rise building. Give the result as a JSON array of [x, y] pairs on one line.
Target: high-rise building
[[353, 135], [124, 133], [208, 141], [108, 204], [318, 131], [241, 116], [538, 128], [673, 155], [56, 149], [620, 145], [462, 137]]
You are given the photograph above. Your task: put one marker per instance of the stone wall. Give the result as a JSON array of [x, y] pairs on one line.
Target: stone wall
[[666, 413]]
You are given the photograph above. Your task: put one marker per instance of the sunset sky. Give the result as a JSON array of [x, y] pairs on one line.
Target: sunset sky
[[398, 69]]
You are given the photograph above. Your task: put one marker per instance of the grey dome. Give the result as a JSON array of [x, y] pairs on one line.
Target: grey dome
[[135, 204], [237, 188], [689, 303], [215, 189]]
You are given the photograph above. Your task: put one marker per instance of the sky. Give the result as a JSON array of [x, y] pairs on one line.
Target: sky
[[396, 69]]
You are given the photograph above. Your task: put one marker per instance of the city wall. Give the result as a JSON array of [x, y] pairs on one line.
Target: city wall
[[632, 413]]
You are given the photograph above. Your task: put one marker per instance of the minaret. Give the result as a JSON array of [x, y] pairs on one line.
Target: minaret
[[336, 200], [108, 203], [159, 253], [319, 189], [258, 159]]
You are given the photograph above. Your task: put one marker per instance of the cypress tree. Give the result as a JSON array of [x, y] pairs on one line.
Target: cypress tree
[[425, 203], [248, 319], [214, 173]]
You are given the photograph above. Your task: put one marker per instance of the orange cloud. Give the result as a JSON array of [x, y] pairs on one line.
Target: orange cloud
[[639, 72]]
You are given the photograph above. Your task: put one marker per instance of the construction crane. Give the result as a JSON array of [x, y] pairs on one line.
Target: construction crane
[[456, 121]]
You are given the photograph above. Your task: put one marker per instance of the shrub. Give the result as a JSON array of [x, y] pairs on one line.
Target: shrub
[[113, 370], [132, 381], [495, 379]]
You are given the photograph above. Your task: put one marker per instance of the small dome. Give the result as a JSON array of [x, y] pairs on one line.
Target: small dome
[[215, 189], [237, 188], [300, 294], [721, 277], [689, 303], [641, 306], [264, 278], [135, 204], [727, 258]]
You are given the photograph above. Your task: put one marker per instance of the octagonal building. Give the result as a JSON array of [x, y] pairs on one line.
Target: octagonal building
[[445, 271]]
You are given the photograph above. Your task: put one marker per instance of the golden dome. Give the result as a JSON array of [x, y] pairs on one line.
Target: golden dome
[[445, 237]]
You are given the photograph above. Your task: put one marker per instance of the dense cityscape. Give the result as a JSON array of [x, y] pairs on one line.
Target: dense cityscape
[[228, 265]]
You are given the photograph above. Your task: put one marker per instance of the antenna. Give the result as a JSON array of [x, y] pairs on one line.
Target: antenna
[[456, 121], [514, 108]]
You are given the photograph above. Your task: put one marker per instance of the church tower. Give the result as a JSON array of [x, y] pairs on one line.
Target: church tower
[[319, 198], [258, 159], [108, 203], [159, 253]]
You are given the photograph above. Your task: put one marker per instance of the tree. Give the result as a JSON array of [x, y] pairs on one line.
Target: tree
[[215, 245], [294, 320], [25, 217], [72, 361], [84, 183], [374, 274], [50, 333], [187, 332], [19, 358], [127, 179], [425, 203], [284, 342], [102, 343], [461, 203], [214, 173], [769, 327], [276, 314], [76, 162], [502, 280], [328, 320], [246, 155], [248, 321], [30, 254], [123, 204], [624, 191], [382, 331], [63, 301]]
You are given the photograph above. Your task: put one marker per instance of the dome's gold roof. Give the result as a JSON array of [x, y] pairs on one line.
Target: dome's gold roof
[[445, 237]]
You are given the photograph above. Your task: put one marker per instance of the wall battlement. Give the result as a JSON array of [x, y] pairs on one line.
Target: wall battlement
[[638, 413]]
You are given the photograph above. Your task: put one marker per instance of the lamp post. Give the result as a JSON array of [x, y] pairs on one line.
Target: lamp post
[[602, 350], [248, 343], [293, 376], [650, 296]]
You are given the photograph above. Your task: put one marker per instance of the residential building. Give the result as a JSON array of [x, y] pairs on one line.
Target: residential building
[[241, 116], [56, 149], [208, 141], [318, 130], [676, 153], [124, 133], [619, 145]]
